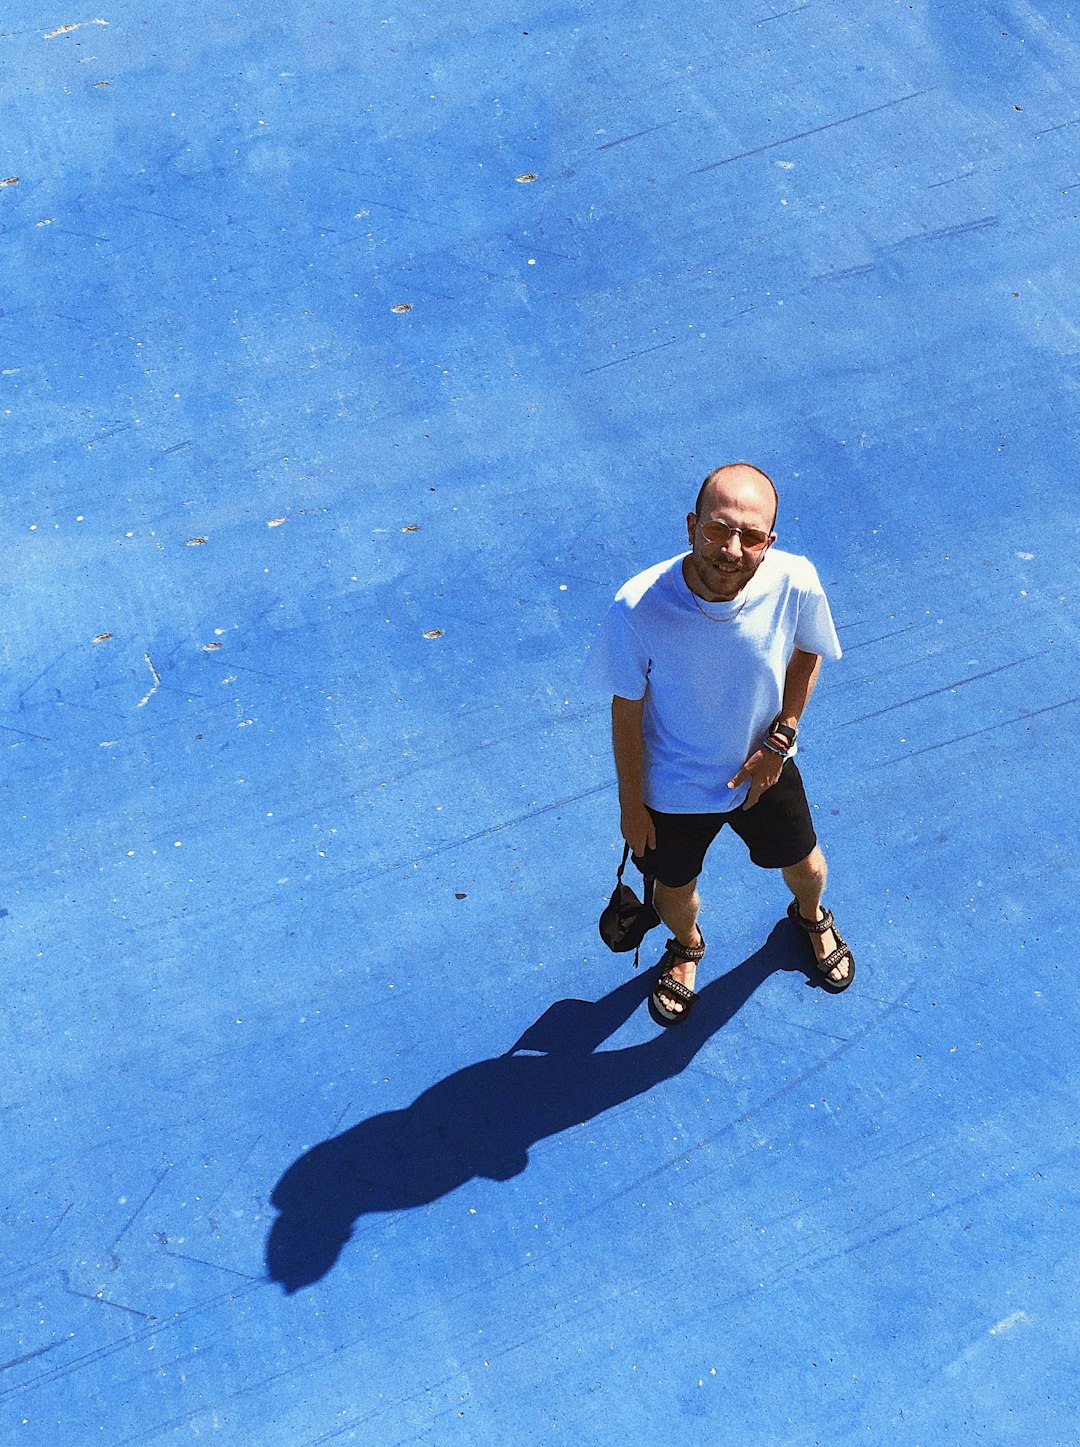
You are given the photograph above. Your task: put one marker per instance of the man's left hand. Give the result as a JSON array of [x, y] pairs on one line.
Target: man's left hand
[[762, 768]]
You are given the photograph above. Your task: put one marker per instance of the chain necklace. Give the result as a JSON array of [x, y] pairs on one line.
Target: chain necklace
[[712, 616]]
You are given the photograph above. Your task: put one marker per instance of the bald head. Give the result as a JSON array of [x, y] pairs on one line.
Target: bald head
[[742, 480]]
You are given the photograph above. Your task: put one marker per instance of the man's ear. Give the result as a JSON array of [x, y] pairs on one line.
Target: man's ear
[[691, 526]]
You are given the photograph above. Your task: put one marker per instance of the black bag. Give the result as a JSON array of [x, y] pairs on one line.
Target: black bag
[[626, 920]]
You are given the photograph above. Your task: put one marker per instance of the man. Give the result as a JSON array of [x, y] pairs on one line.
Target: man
[[711, 658]]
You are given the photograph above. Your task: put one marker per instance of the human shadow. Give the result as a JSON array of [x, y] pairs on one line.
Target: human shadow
[[481, 1120]]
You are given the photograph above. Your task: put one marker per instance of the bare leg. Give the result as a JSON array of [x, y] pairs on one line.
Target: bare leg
[[806, 880], [678, 908]]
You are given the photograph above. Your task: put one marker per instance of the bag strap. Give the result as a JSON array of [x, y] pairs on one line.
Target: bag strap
[[648, 903], [647, 878], [647, 891]]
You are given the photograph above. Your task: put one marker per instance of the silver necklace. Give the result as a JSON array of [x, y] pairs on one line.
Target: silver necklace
[[712, 616]]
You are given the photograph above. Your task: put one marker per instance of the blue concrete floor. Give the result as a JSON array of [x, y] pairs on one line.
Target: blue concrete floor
[[352, 358]]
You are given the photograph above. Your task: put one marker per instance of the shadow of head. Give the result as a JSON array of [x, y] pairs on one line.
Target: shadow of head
[[481, 1120]]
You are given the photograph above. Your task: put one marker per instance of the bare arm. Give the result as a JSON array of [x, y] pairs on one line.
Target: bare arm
[[763, 768], [802, 674], [628, 743]]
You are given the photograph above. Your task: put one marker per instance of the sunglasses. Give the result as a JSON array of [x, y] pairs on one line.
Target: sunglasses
[[750, 539]]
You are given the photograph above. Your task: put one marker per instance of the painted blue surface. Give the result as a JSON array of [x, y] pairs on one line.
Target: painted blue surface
[[287, 880]]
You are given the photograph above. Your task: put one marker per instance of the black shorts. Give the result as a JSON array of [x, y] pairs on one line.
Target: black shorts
[[778, 831]]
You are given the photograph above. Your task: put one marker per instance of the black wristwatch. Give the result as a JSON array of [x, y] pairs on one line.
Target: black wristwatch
[[784, 731]]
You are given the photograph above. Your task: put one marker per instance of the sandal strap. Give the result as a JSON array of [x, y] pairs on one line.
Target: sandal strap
[[831, 961], [811, 926], [689, 953], [667, 984]]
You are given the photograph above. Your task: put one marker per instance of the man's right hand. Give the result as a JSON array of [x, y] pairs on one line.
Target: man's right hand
[[638, 828]]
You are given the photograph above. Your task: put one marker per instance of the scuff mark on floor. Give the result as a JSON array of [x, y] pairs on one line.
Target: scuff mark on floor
[[103, 1299], [157, 682], [67, 29]]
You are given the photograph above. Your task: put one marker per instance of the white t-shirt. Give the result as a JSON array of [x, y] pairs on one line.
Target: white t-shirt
[[711, 674]]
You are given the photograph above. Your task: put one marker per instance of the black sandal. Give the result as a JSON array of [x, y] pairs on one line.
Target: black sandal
[[666, 984], [842, 952]]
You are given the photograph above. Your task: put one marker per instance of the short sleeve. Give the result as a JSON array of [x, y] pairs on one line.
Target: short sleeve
[[815, 631], [617, 662]]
